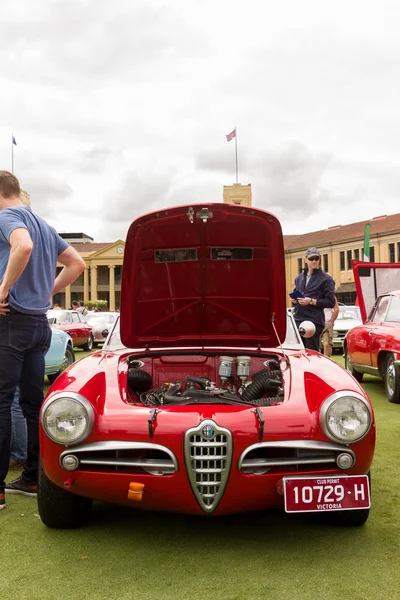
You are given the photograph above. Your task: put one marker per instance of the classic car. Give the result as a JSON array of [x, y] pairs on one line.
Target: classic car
[[205, 400], [348, 317], [101, 324], [60, 355], [73, 323], [374, 346]]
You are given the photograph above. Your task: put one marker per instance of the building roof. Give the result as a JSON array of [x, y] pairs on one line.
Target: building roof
[[79, 236], [90, 246], [345, 288], [342, 233]]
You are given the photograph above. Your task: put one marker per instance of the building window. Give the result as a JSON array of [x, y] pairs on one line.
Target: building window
[[342, 261], [391, 253], [117, 273], [299, 265], [349, 260], [398, 251], [326, 266], [356, 254], [372, 254]]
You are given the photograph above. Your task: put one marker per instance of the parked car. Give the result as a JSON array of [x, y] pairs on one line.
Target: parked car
[[374, 346], [60, 355], [204, 399], [101, 323], [73, 323], [348, 317]]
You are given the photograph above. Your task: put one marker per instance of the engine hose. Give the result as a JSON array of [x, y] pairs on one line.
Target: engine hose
[[261, 384], [170, 396], [139, 381]]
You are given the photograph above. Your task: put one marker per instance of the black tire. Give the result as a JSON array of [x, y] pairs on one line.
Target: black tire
[[392, 380], [349, 367], [59, 509], [69, 358], [89, 344], [349, 518]]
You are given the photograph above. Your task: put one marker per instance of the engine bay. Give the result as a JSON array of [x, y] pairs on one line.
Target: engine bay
[[213, 379]]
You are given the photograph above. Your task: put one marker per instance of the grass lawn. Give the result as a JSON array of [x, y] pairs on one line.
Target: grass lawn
[[122, 554]]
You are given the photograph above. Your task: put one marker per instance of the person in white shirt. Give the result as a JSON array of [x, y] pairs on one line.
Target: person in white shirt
[[327, 334]]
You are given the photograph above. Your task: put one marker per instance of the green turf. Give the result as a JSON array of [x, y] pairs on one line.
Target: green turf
[[124, 554]]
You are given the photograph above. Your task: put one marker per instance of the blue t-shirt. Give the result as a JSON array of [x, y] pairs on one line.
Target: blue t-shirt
[[32, 291]]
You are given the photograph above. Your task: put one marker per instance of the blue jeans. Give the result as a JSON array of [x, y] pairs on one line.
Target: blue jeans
[[19, 439], [24, 341]]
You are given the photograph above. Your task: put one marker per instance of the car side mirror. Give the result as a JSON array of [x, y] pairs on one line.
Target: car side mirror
[[306, 329]]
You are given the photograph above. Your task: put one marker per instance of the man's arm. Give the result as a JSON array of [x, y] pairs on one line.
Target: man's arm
[[21, 250], [335, 312], [73, 264]]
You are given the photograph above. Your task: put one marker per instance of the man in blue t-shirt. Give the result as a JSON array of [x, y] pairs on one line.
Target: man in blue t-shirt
[[29, 252]]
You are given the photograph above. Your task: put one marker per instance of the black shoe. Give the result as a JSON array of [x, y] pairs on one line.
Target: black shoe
[[20, 486], [2, 501]]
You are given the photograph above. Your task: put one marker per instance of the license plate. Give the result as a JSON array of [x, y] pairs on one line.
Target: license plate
[[323, 494]]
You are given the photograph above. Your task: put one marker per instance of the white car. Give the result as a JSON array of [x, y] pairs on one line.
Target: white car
[[101, 323], [348, 317]]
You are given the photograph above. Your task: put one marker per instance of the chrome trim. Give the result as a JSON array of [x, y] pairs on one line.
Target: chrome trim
[[164, 465], [267, 463], [366, 369], [328, 403], [77, 398], [208, 463]]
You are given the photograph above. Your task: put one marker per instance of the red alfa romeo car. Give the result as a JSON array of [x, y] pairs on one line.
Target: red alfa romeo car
[[205, 400], [374, 346]]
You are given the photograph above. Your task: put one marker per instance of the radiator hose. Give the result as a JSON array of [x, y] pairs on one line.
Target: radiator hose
[[264, 381]]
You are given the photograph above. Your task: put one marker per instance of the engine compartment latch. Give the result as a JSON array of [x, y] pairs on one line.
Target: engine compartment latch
[[260, 417], [151, 420]]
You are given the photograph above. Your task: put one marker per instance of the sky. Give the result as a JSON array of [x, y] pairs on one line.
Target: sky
[[121, 108]]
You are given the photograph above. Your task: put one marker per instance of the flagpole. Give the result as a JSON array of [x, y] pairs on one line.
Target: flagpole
[[237, 179]]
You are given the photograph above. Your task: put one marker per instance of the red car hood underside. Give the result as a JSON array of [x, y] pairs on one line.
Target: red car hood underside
[[207, 275], [372, 280]]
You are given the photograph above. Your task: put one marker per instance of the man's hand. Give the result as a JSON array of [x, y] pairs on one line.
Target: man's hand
[[3, 301], [304, 301]]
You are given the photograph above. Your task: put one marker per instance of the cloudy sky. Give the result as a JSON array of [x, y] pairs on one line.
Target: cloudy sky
[[119, 108]]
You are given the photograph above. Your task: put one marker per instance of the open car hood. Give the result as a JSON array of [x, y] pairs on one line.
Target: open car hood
[[205, 275], [372, 280]]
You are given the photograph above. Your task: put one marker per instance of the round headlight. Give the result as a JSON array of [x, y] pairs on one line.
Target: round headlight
[[67, 418], [346, 417]]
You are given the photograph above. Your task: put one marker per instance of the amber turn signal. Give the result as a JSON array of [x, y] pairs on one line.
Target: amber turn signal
[[135, 491]]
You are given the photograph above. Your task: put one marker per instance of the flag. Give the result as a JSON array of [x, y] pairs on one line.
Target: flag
[[231, 135], [366, 242], [13, 141]]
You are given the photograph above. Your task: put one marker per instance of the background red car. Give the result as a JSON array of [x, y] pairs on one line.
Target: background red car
[[374, 346], [73, 323]]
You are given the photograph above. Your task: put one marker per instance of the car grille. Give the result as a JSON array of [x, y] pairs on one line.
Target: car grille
[[208, 456], [291, 456], [125, 457], [340, 334]]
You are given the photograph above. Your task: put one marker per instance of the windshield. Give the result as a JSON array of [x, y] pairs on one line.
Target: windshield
[[58, 316], [292, 340], [349, 313]]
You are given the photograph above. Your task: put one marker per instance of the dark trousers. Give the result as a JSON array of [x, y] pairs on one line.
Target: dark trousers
[[24, 341], [313, 342]]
